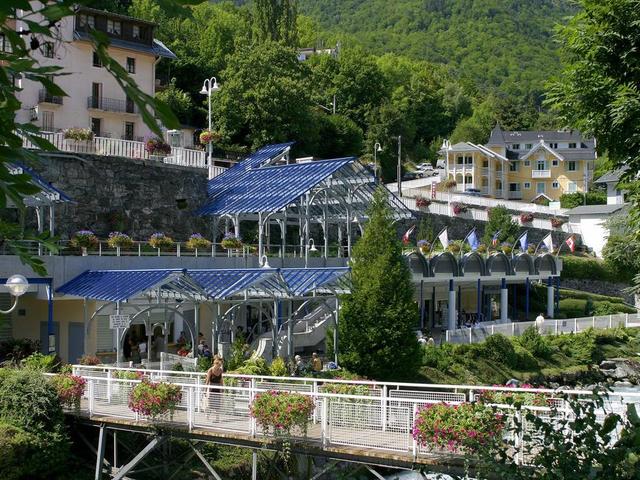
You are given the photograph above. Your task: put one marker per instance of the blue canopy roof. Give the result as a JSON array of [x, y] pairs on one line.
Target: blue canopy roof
[[48, 193], [201, 284], [269, 189]]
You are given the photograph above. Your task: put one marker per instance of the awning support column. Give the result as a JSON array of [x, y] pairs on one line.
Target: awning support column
[[335, 331], [274, 331], [452, 306], [260, 233], [504, 301], [50, 330], [196, 323], [290, 345], [527, 286], [550, 298], [85, 321], [214, 328], [422, 305], [479, 300]]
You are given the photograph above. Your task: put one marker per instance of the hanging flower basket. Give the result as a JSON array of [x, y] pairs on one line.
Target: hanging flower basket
[[424, 246], [197, 241], [482, 248], [526, 217], [454, 247], [231, 242], [70, 389], [78, 134], [157, 146], [153, 399], [89, 360], [459, 208], [506, 248], [467, 427], [281, 412], [531, 249], [449, 184], [557, 222], [209, 136], [84, 239], [119, 240], [511, 398], [160, 240], [422, 202]]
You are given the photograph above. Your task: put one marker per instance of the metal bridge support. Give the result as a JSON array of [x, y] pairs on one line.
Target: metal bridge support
[[102, 443], [205, 462], [152, 445], [254, 464]]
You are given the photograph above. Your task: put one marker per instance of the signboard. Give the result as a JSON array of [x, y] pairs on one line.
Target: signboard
[[119, 321]]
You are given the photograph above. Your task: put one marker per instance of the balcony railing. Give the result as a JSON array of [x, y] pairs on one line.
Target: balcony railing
[[541, 174], [46, 97], [112, 105], [515, 195]]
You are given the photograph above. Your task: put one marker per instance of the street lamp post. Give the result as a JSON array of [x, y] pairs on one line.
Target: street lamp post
[[18, 286], [399, 169], [376, 148], [210, 86], [311, 247]]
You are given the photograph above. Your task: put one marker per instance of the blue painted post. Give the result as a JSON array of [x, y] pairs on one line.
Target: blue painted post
[[50, 330], [504, 301], [421, 304], [459, 305], [550, 297], [479, 300], [557, 293], [527, 286], [452, 307], [433, 307], [514, 306]]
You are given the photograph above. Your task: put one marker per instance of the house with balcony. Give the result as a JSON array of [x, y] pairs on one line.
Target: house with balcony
[[532, 166], [95, 100]]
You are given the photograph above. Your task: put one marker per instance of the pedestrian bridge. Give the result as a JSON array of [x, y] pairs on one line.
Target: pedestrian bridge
[[372, 425]]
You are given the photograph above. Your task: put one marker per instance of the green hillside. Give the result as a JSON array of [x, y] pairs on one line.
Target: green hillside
[[505, 44]]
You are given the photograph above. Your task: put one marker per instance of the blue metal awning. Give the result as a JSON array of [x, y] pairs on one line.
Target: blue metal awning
[[48, 193], [301, 281], [203, 285], [269, 189]]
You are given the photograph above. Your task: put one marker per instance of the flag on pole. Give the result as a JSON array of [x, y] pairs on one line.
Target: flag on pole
[[473, 240], [523, 241], [548, 242], [494, 240], [407, 234], [444, 238], [433, 189], [571, 243]]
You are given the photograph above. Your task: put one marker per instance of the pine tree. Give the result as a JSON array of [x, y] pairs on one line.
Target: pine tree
[[377, 321], [276, 21], [500, 220]]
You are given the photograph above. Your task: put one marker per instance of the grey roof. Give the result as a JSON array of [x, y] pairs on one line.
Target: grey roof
[[463, 147], [496, 137], [613, 176], [96, 11], [534, 136], [157, 49], [595, 209]]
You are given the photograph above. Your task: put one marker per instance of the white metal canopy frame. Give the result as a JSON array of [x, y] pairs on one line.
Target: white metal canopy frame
[[223, 291], [264, 188]]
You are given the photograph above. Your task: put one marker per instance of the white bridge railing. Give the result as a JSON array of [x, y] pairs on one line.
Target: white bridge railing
[[480, 332], [379, 417]]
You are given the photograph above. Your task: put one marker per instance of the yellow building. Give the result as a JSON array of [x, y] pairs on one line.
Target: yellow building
[[527, 165]]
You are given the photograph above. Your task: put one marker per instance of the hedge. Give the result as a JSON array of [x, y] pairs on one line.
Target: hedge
[[573, 200], [585, 268], [567, 293], [576, 307]]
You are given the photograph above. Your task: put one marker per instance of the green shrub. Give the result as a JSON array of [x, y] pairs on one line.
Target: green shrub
[[523, 359], [15, 349], [573, 307], [585, 268], [608, 308], [19, 450], [439, 357], [499, 349], [581, 347], [534, 343], [278, 368], [573, 200], [612, 336], [253, 366], [204, 364], [567, 293], [43, 363]]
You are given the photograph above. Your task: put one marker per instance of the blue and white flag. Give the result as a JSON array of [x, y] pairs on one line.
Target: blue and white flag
[[473, 240], [523, 242]]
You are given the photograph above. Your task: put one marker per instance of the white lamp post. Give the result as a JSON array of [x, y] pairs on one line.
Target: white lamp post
[[18, 286], [210, 86], [376, 148], [311, 247], [265, 262]]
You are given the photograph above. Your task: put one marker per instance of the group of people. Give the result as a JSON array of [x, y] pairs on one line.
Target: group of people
[[135, 351], [300, 368]]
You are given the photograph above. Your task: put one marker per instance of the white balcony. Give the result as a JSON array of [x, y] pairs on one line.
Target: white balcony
[[541, 174], [515, 195], [484, 171]]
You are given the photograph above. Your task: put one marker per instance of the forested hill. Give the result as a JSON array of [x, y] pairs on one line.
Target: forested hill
[[505, 44]]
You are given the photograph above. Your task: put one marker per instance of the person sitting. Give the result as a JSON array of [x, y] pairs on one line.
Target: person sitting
[[182, 340], [299, 369]]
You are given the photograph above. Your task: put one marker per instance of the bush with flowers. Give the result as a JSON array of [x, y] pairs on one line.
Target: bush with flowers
[[557, 222], [78, 134], [128, 374], [449, 183], [459, 208], [153, 399], [230, 242], [119, 240], [465, 427], [209, 136], [506, 248], [89, 360], [160, 240], [422, 202], [506, 397], [424, 246], [84, 239], [197, 241], [280, 412], [70, 389], [526, 217], [157, 146]]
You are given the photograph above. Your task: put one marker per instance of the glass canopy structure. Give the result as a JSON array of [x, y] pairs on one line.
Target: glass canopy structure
[[269, 189]]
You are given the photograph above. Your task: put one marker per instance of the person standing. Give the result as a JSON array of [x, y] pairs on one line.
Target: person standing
[[540, 323], [213, 378], [316, 363]]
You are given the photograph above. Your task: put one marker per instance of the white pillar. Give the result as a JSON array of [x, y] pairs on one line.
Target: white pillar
[[504, 302], [550, 298], [452, 306]]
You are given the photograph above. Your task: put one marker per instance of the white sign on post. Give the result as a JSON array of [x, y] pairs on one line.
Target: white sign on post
[[119, 321]]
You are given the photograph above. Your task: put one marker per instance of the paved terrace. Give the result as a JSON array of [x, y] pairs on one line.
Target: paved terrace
[[373, 427]]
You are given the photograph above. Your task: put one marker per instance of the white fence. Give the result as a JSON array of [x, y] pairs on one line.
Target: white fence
[[550, 327], [114, 147], [379, 417]]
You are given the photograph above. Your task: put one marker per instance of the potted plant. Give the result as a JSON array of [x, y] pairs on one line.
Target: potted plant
[[482, 248], [526, 217], [501, 397], [459, 208], [281, 412], [70, 389], [196, 242], [85, 240], [531, 249], [78, 134], [506, 248], [209, 136], [231, 242], [89, 360], [155, 399], [158, 148], [422, 202], [455, 246], [557, 222], [466, 427], [424, 246], [449, 183], [159, 240], [119, 240]]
